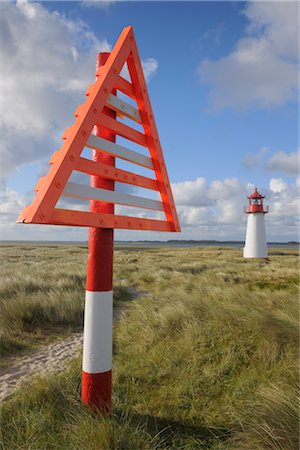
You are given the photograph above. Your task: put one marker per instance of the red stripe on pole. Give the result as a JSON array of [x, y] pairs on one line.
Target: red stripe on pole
[[96, 387], [100, 259], [96, 390]]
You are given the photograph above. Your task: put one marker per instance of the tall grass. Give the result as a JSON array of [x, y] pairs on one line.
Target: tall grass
[[207, 359], [42, 294]]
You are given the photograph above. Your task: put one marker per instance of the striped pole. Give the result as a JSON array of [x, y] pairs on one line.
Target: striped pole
[[98, 317]]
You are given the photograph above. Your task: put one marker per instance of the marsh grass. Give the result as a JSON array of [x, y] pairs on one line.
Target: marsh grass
[[206, 359]]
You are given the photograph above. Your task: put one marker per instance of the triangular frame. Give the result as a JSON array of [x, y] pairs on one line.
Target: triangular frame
[[50, 188]]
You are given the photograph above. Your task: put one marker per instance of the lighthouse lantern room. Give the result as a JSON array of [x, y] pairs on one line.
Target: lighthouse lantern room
[[255, 243]]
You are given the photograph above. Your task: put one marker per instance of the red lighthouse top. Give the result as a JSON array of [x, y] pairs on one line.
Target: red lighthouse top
[[256, 203], [255, 195]]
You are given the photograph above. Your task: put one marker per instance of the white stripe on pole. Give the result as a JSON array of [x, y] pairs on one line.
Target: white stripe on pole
[[97, 338]]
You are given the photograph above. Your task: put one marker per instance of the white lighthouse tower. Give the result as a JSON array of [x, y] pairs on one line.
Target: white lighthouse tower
[[255, 243]]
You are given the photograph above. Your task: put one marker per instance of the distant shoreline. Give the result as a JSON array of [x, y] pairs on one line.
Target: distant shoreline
[[169, 243]]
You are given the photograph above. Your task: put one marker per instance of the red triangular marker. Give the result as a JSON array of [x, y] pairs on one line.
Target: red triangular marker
[[49, 189]]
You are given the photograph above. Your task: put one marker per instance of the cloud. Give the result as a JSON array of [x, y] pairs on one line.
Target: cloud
[[214, 35], [254, 159], [47, 62], [262, 69], [104, 5], [150, 66], [11, 203], [284, 162], [284, 208], [277, 21], [280, 161], [191, 216], [277, 185], [215, 205], [220, 202], [218, 214], [191, 193]]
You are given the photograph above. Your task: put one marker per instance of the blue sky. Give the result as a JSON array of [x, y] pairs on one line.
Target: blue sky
[[222, 78]]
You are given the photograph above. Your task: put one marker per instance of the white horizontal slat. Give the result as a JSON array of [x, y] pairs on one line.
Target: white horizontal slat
[[104, 195], [123, 108], [118, 150]]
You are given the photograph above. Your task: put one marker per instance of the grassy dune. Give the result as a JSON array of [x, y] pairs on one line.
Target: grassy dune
[[206, 359], [41, 294]]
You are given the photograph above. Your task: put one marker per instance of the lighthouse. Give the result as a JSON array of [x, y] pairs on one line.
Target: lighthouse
[[255, 244]]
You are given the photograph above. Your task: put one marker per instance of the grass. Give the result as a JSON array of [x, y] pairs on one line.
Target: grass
[[207, 359], [42, 295]]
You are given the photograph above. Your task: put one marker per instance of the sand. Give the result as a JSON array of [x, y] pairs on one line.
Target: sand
[[51, 358]]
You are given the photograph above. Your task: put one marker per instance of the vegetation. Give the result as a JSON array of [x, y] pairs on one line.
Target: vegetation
[[42, 295], [207, 358]]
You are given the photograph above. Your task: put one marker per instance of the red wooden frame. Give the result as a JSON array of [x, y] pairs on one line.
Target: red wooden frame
[[49, 188]]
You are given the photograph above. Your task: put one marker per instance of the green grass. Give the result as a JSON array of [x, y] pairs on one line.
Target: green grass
[[42, 295], [41, 292], [207, 359]]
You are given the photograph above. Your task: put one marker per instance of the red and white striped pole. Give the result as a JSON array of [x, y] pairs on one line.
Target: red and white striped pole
[[98, 317]]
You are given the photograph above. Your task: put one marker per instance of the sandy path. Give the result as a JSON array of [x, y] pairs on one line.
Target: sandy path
[[52, 358]]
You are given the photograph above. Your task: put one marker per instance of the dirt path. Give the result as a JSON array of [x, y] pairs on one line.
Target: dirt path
[[52, 358]]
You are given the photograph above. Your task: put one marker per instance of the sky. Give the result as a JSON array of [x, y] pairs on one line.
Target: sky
[[222, 79]]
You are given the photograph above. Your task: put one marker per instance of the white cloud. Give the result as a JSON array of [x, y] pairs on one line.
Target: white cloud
[[105, 5], [47, 62], [27, 8], [191, 193], [254, 159], [194, 216], [220, 202], [278, 22], [150, 66], [214, 35], [283, 218], [277, 185], [284, 162], [219, 214], [262, 69], [11, 204], [280, 161]]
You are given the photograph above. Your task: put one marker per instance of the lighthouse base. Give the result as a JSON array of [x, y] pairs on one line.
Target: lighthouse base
[[255, 244]]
